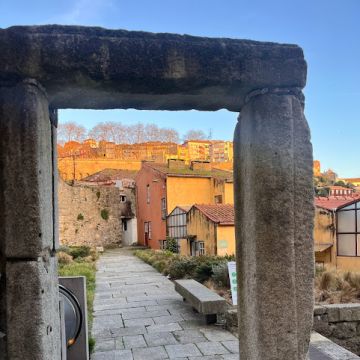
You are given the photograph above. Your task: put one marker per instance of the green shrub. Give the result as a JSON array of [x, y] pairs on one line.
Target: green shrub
[[160, 265], [171, 245], [79, 251], [64, 258], [104, 214], [182, 267], [221, 274], [80, 217], [203, 271]]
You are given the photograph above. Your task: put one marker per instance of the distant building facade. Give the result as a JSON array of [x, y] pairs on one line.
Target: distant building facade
[[337, 232], [162, 187]]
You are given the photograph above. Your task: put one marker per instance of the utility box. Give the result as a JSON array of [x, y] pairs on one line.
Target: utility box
[[73, 296]]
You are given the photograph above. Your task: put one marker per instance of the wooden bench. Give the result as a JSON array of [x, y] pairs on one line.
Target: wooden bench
[[201, 299]]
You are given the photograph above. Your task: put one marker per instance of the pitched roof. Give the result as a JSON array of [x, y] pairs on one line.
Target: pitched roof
[[337, 187], [111, 174], [187, 172], [222, 214], [336, 202]]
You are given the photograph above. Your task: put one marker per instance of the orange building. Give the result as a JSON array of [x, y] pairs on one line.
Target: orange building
[[161, 187], [337, 232], [221, 151], [317, 168]]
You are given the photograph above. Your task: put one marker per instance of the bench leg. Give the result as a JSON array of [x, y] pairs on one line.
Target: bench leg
[[210, 318]]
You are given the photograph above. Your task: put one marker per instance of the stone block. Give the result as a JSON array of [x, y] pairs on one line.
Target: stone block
[[176, 71], [134, 341], [333, 313], [33, 310], [183, 350], [200, 297], [344, 330], [212, 348], [26, 171], [150, 353], [319, 310], [157, 339]]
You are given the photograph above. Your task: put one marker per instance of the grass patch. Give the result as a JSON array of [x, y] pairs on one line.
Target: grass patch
[[336, 287]]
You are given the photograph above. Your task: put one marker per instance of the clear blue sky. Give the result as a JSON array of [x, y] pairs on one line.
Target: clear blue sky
[[327, 30]]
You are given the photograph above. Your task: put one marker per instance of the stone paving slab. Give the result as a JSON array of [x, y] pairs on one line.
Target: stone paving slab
[[138, 315]]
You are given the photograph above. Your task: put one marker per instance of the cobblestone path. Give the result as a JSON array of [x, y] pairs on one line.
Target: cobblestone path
[[139, 316]]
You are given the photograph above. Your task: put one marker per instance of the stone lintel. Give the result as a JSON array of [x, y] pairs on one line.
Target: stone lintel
[[26, 179], [88, 67]]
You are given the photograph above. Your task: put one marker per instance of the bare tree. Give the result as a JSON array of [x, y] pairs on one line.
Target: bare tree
[[109, 131], [169, 135], [195, 135], [71, 131], [152, 132], [136, 133]]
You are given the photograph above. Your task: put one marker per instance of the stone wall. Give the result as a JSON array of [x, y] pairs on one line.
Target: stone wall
[[92, 215], [337, 322], [81, 168], [340, 323]]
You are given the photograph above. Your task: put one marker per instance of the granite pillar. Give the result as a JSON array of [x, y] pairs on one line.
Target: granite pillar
[[274, 224], [29, 286]]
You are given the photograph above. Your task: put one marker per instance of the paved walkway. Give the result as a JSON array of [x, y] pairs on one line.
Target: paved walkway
[[138, 315]]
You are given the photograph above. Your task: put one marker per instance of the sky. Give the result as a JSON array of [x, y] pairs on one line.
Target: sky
[[328, 31]]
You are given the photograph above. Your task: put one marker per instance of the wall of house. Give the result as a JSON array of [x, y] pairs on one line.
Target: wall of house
[[225, 240], [188, 191], [80, 220], [325, 233], [348, 263], [85, 167], [129, 236], [229, 193], [205, 230], [152, 211]]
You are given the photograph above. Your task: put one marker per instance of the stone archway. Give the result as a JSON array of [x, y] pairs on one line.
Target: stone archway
[[55, 67]]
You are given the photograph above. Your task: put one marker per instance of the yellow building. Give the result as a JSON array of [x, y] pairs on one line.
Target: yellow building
[[202, 229], [337, 232], [162, 187], [198, 149], [354, 181], [221, 151]]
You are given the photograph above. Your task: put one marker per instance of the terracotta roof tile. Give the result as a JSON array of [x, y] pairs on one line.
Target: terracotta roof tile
[[336, 202], [222, 214], [111, 174], [186, 171]]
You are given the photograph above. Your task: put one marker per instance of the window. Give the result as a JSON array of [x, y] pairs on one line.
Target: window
[[218, 199], [122, 198], [148, 194], [348, 230], [149, 229], [162, 244], [124, 224], [201, 248], [163, 208], [176, 224]]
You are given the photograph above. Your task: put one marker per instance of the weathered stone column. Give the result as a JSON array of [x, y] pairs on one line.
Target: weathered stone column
[[29, 286], [274, 223]]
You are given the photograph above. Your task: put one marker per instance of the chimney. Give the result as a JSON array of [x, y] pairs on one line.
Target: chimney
[[176, 164], [200, 165]]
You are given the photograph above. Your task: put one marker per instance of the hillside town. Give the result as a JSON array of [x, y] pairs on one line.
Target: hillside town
[[156, 191]]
